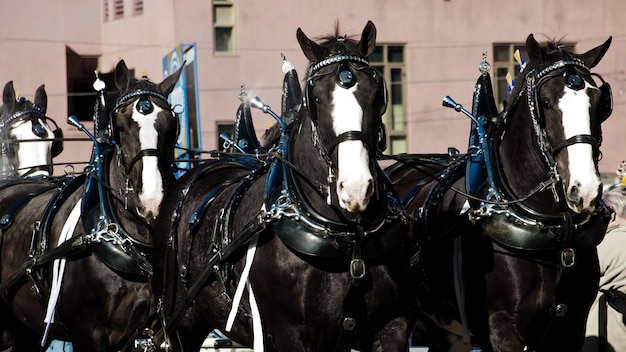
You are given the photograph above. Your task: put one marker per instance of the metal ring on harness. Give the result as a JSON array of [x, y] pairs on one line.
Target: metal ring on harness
[[357, 268], [568, 257]]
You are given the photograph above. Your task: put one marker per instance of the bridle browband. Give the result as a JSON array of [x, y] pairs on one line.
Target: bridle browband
[[336, 60], [136, 93]]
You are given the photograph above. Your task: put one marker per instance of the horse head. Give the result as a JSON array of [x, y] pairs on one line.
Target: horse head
[[346, 98], [28, 144], [566, 107], [145, 129]]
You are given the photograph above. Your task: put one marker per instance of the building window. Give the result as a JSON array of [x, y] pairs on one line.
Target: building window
[[137, 7], [118, 9], [226, 129], [504, 62], [223, 25], [390, 61]]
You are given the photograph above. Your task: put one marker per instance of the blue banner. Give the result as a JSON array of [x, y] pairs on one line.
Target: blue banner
[[184, 100]]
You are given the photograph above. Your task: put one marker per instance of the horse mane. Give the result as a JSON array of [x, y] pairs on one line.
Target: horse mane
[[326, 39], [144, 83], [271, 136], [553, 50]]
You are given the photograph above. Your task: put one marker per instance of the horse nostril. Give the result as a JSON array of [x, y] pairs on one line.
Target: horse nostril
[[573, 195]]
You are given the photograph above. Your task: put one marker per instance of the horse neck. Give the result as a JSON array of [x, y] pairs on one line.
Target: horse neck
[[311, 170], [315, 170], [520, 162]]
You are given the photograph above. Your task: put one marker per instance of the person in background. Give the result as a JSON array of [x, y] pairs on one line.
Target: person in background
[[606, 324]]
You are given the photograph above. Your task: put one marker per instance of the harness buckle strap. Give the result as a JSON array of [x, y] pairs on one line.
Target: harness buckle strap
[[348, 323], [568, 257], [357, 268]]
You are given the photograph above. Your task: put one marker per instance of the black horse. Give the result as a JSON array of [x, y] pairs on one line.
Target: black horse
[[507, 232], [28, 141], [315, 219], [75, 250]]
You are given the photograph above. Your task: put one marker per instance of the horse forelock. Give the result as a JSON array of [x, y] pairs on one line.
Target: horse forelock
[[331, 44]]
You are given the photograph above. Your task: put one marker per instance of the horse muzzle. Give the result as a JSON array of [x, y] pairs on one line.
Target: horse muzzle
[[582, 198]]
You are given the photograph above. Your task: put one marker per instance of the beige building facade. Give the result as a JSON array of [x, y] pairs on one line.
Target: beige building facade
[[428, 49]]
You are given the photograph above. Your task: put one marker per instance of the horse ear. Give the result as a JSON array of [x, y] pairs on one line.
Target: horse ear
[[535, 53], [169, 82], [368, 39], [122, 76], [8, 95], [592, 57], [41, 98], [311, 49]]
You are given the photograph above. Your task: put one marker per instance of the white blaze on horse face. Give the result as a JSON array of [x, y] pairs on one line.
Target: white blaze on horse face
[[354, 179], [151, 193], [32, 154], [584, 183]]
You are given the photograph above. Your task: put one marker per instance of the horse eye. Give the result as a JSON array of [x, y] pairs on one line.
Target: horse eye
[[545, 103]]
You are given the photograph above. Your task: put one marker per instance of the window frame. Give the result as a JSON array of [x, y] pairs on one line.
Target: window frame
[[220, 24], [388, 65]]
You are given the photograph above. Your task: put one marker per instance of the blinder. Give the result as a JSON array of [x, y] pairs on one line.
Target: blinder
[[144, 105], [605, 105], [57, 134], [574, 80], [37, 128], [57, 143], [346, 79]]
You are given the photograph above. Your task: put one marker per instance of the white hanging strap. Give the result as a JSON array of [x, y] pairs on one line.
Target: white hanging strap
[[58, 269], [257, 327], [244, 282]]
